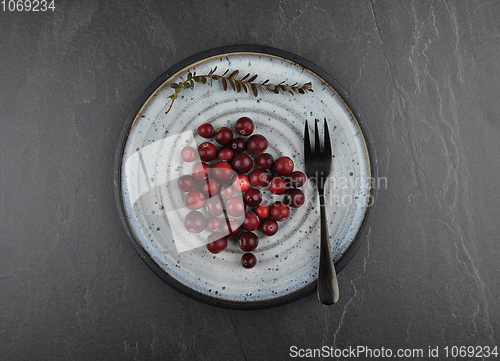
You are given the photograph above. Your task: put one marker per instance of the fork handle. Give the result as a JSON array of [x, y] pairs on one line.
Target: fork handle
[[328, 288]]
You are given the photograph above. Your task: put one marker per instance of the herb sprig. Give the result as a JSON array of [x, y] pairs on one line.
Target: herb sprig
[[246, 84]]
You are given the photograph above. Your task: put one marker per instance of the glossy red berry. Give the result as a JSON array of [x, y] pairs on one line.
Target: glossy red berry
[[241, 183], [257, 144], [294, 198], [279, 211], [223, 136], [252, 197], [194, 222], [260, 178], [251, 222], [186, 183], [201, 171], [283, 166], [231, 227], [277, 185], [262, 211], [297, 179], [216, 243], [213, 224], [225, 154], [195, 199], [207, 151], [248, 241], [235, 207], [222, 171], [188, 154], [244, 126], [209, 187], [265, 160], [206, 130], [238, 145], [226, 191], [269, 227], [242, 163], [248, 260], [214, 206]]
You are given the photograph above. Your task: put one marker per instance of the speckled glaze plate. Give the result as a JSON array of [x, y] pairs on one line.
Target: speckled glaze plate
[[148, 165]]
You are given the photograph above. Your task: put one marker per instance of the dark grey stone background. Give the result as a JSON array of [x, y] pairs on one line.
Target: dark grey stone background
[[425, 75]]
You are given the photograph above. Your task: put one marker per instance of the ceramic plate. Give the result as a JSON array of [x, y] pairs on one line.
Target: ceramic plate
[[149, 163]]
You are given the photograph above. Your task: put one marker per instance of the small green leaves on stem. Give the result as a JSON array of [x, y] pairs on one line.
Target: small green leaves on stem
[[246, 83]]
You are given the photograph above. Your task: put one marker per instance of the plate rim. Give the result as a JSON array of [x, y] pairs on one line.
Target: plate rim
[[226, 50]]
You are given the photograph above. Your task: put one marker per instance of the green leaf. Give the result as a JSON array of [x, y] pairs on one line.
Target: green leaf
[[172, 96], [238, 86], [244, 86], [197, 79], [233, 75], [203, 79], [178, 89], [215, 77], [190, 76], [173, 85], [271, 87], [187, 85]]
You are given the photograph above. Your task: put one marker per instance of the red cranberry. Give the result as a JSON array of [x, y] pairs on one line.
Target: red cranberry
[[279, 211], [257, 144], [283, 166], [186, 183], [294, 198], [213, 224], [277, 185], [235, 207], [248, 241], [206, 130], [242, 163], [248, 260], [214, 206], [225, 154], [297, 179], [201, 171], [265, 160], [223, 136], [238, 145], [251, 222], [188, 154], [195, 199], [194, 222], [262, 211], [209, 187], [207, 151], [222, 171], [226, 191], [260, 178], [269, 227], [244, 126], [216, 243], [241, 183], [231, 227], [252, 197]]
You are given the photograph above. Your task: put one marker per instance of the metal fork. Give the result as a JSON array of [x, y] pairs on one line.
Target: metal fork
[[318, 164]]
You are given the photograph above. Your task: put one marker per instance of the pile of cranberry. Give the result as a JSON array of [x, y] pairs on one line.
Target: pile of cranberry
[[224, 193]]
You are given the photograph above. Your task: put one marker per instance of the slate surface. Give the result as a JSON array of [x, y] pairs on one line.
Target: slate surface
[[425, 75]]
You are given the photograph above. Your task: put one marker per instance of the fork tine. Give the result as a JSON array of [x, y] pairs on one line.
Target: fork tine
[[328, 145], [307, 143], [317, 146]]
